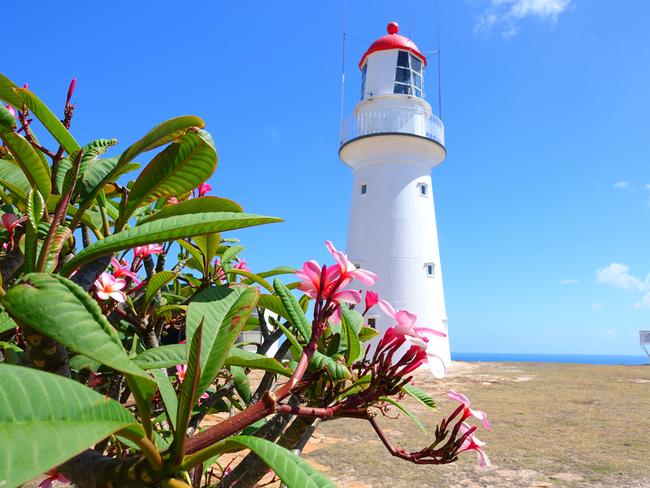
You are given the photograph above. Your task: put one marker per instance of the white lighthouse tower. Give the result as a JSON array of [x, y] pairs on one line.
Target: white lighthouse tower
[[392, 141]]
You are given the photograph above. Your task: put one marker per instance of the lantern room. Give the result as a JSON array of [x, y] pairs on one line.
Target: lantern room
[[393, 64]]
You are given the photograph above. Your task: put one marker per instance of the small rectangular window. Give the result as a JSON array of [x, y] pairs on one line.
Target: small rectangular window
[[364, 189], [403, 75], [431, 270], [423, 187], [372, 322]]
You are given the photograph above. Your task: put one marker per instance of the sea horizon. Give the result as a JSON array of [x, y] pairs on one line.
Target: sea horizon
[[623, 359]]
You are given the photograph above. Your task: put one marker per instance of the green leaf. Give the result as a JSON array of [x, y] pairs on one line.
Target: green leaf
[[252, 278], [241, 383], [167, 229], [230, 253], [167, 393], [63, 311], [280, 270], [7, 120], [252, 360], [224, 311], [420, 395], [272, 303], [37, 435], [180, 168], [193, 206], [13, 179], [35, 207], [353, 345], [408, 413], [189, 391], [37, 173], [6, 322], [295, 313], [367, 333], [156, 282], [293, 471], [208, 245], [162, 357], [161, 134]]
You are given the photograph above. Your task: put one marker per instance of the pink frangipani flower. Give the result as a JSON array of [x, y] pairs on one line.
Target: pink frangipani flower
[[52, 476], [348, 269], [472, 443], [467, 410], [147, 250], [122, 268], [109, 287], [10, 222], [12, 110], [172, 200], [241, 264], [372, 299], [203, 189]]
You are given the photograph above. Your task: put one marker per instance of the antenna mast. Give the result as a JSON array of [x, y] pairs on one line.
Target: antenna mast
[[439, 76], [343, 61]]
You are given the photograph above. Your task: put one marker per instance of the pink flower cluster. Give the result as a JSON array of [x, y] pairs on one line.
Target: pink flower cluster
[[327, 283], [10, 222], [471, 442]]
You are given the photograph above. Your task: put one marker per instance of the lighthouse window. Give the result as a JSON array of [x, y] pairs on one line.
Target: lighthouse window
[[372, 322], [423, 189], [408, 75], [363, 80], [431, 270], [364, 189]]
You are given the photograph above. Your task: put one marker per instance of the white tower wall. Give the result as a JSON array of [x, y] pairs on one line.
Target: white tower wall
[[391, 142]]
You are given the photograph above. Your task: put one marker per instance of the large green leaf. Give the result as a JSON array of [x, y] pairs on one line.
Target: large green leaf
[[223, 311], [249, 359], [7, 120], [167, 229], [174, 354], [295, 314], [13, 179], [6, 322], [18, 97], [161, 134], [47, 419], [36, 171], [162, 357], [156, 282], [193, 206], [63, 311], [167, 393], [349, 324], [189, 392], [180, 168], [293, 471]]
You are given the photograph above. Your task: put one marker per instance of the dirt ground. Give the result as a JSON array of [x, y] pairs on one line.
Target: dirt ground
[[553, 425]]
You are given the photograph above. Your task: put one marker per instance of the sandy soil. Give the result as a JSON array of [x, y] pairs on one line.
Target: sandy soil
[[553, 425]]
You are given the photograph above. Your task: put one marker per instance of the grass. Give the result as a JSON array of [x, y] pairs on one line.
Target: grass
[[552, 425]]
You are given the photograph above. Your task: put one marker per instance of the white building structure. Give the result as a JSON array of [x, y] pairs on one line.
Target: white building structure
[[392, 141]]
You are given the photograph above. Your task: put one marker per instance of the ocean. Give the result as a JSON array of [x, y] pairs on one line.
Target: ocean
[[629, 360]]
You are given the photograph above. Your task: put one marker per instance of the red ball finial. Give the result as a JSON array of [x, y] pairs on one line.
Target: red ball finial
[[392, 28]]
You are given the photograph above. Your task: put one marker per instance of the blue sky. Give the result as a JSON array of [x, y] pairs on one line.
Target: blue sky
[[543, 205]]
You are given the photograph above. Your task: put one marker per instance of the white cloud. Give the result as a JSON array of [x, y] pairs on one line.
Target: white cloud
[[621, 185], [618, 274], [505, 15], [569, 281], [597, 306]]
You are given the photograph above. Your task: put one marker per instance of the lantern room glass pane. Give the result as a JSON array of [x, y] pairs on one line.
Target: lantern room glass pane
[[403, 75], [402, 88], [363, 80], [403, 59], [416, 64]]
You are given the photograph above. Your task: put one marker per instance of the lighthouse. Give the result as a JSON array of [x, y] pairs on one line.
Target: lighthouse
[[391, 142]]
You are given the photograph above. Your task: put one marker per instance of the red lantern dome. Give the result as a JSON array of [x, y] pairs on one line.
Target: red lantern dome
[[392, 40]]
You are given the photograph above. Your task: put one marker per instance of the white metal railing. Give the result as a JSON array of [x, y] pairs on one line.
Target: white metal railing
[[399, 120]]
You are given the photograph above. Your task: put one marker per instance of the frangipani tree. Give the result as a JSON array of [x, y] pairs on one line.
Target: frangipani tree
[[121, 304]]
